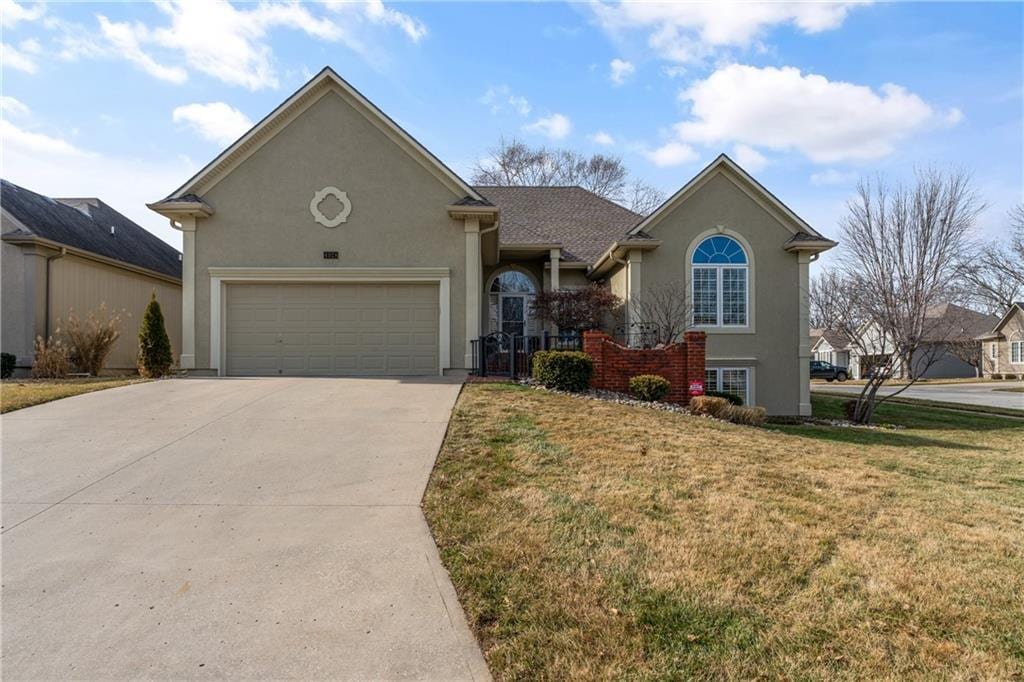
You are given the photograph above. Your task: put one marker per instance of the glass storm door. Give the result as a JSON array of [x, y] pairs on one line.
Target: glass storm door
[[512, 310]]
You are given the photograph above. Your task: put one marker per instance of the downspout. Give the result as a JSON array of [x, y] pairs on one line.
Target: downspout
[[46, 319]]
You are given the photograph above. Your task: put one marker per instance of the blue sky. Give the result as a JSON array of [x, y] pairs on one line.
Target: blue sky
[[125, 101]]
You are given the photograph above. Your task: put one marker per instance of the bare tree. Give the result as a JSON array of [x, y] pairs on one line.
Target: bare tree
[[513, 163], [903, 246], [664, 312], [827, 299], [575, 310], [994, 275], [968, 351], [643, 198]]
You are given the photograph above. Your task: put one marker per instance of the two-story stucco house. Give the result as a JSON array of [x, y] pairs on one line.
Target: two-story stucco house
[[327, 241]]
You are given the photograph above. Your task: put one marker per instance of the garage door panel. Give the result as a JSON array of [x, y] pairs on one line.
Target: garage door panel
[[332, 329]]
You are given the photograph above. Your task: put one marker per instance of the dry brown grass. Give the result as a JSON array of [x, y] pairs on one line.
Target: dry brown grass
[[598, 541], [18, 393]]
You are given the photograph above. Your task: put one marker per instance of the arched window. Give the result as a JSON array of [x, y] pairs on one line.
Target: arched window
[[720, 280], [510, 298]]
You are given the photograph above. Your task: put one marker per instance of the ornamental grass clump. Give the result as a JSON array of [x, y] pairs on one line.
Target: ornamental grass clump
[[52, 359], [91, 340], [710, 406], [563, 370], [155, 355], [748, 416], [648, 387]]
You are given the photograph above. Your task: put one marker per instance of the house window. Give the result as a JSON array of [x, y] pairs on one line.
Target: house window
[[1017, 352], [993, 351], [735, 380], [510, 297], [720, 283]]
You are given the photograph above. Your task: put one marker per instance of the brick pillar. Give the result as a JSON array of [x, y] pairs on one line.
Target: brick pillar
[[695, 346], [593, 345]]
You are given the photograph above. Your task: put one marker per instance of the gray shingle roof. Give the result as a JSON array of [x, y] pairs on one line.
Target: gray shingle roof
[[85, 223], [948, 321], [584, 223]]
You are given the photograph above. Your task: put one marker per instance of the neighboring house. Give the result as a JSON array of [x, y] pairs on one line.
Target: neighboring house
[[327, 241], [61, 255], [949, 341], [1003, 345], [831, 346]]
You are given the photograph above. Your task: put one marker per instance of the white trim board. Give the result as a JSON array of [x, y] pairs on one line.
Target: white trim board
[[240, 275]]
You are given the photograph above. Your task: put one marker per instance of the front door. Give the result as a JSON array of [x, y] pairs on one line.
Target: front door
[[512, 313]]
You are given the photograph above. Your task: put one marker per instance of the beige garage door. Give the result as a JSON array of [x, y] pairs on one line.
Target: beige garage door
[[332, 329]]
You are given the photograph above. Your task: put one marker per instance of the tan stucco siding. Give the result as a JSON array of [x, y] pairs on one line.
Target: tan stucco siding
[[398, 216], [82, 285], [1012, 330], [17, 285], [771, 345]]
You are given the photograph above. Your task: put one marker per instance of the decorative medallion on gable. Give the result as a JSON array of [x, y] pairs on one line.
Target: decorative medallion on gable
[[340, 213]]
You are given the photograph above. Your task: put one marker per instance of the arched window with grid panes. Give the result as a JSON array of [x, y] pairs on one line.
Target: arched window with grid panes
[[720, 283]]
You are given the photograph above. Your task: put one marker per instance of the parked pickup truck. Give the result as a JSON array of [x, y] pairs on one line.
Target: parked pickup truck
[[827, 371]]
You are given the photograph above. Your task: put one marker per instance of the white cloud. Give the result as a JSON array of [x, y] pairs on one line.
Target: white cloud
[[621, 70], [498, 97], [56, 167], [231, 43], [379, 14], [216, 121], [555, 126], [672, 154], [602, 138], [30, 46], [12, 13], [12, 108], [125, 39], [831, 176], [749, 158], [783, 109], [11, 57], [687, 31], [17, 140]]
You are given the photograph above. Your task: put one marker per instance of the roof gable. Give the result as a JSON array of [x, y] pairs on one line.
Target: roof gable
[[325, 82], [1016, 309], [728, 168], [90, 225]]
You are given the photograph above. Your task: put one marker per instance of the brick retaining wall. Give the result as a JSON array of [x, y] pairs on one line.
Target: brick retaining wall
[[681, 363]]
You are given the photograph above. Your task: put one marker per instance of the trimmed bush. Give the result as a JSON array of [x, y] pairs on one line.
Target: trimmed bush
[[52, 359], [997, 376], [710, 406], [649, 387], [7, 361], [155, 356], [92, 340], [748, 416], [1011, 377], [731, 397], [563, 370]]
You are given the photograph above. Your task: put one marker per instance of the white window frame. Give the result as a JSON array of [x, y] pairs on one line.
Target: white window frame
[[747, 371], [719, 294], [1017, 352], [993, 351]]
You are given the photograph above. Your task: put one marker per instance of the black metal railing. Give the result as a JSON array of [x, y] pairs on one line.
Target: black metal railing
[[510, 355]]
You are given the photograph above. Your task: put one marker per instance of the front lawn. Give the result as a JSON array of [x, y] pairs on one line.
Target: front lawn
[[593, 540], [18, 393]]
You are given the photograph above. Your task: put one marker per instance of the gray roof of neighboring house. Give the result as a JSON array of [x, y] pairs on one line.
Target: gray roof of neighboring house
[[583, 222], [84, 223], [835, 338], [951, 322]]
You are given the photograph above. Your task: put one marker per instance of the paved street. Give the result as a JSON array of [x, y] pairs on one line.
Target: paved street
[[970, 394], [246, 528]]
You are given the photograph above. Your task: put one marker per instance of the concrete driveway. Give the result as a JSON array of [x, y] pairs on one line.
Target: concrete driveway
[[984, 394], [248, 528]]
